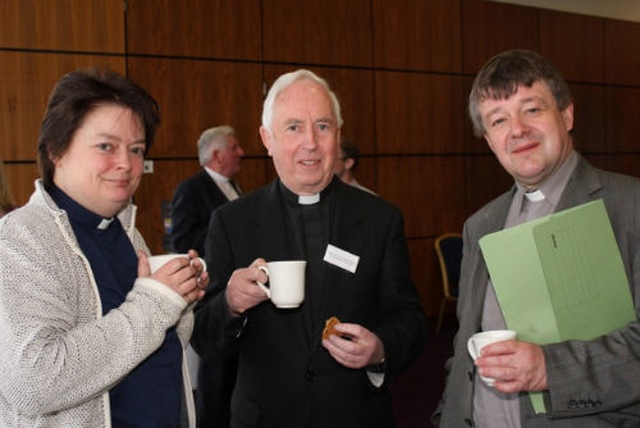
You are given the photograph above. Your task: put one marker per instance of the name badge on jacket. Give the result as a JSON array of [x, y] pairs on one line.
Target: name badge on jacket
[[341, 258]]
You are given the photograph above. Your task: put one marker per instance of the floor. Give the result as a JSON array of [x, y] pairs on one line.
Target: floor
[[417, 390]]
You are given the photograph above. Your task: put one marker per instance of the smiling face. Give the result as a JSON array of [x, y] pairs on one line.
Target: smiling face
[[102, 166], [304, 138], [528, 134]]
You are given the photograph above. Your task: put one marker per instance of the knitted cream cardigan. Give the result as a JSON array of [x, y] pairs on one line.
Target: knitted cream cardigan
[[58, 355]]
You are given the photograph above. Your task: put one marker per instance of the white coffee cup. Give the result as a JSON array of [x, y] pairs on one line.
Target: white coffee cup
[[480, 340], [286, 282], [156, 262]]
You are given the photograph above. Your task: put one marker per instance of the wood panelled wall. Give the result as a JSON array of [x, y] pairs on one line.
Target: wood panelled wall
[[401, 68]]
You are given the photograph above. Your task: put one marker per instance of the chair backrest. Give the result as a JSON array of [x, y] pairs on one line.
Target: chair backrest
[[449, 250]]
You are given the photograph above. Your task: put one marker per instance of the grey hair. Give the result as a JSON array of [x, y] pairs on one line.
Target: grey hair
[[503, 74], [288, 79], [213, 139]]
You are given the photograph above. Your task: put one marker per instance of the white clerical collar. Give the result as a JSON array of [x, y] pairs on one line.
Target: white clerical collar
[[535, 196], [105, 222], [309, 199]]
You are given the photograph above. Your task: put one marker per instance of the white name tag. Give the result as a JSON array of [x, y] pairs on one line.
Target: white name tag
[[341, 258]]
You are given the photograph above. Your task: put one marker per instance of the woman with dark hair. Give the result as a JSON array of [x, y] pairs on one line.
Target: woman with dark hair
[[90, 338]]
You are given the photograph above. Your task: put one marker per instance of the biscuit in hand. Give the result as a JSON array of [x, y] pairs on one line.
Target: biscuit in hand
[[329, 327]]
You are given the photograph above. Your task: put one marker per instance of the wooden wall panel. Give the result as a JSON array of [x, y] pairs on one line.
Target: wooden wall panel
[[254, 173], [425, 188], [484, 180], [417, 35], [489, 28], [620, 163], [589, 118], [474, 144], [70, 25], [333, 32], [194, 95], [401, 69], [354, 89], [574, 44], [201, 28], [20, 177], [419, 113], [366, 173], [26, 80], [622, 110], [425, 272], [622, 52]]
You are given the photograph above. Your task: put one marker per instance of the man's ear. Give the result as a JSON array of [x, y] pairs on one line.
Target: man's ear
[[567, 116], [348, 163], [267, 139], [215, 156]]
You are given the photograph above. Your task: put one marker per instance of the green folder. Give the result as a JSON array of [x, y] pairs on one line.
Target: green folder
[[560, 277]]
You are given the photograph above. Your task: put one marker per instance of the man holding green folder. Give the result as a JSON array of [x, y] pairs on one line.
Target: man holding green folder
[[523, 108]]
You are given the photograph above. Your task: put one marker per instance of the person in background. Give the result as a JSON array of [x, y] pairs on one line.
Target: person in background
[[194, 200], [90, 337], [220, 155], [6, 202], [347, 163], [287, 374], [524, 109]]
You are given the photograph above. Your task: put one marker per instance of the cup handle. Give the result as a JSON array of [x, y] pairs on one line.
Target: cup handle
[[472, 349], [204, 264], [261, 285]]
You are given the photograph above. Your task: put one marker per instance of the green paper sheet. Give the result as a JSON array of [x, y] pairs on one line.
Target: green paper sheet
[[560, 277]]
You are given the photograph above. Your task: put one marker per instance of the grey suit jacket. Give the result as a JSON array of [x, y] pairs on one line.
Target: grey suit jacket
[[591, 384]]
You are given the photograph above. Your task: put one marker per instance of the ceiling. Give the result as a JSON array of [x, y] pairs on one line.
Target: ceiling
[[626, 10]]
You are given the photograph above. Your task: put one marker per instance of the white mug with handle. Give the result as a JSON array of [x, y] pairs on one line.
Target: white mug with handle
[[286, 283], [156, 262], [484, 338]]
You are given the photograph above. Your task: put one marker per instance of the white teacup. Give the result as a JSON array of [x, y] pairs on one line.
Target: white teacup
[[480, 340], [286, 282], [156, 262]]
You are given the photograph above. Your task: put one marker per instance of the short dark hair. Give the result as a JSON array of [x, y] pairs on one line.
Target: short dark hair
[[350, 151], [501, 76], [76, 95]]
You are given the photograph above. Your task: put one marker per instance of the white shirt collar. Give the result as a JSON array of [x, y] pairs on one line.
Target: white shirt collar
[[308, 199], [105, 222], [216, 175], [535, 196]]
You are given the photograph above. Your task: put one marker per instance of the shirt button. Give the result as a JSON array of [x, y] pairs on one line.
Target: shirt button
[[310, 375]]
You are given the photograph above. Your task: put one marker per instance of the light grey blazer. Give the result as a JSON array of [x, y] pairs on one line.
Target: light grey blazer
[[591, 384]]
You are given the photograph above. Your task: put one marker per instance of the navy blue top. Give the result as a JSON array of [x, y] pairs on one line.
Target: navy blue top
[[150, 395]]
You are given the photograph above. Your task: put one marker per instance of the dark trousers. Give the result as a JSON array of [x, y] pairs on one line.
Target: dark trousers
[[216, 380]]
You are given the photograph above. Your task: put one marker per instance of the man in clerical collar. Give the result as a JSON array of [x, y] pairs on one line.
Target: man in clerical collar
[[194, 199], [524, 110], [357, 271]]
